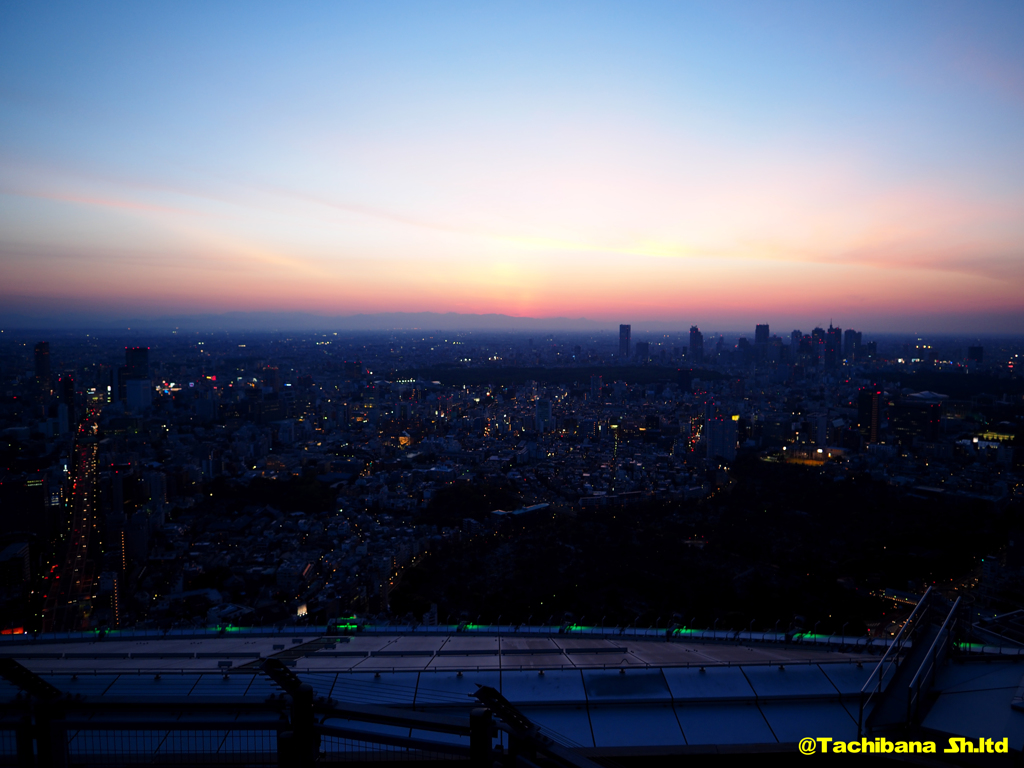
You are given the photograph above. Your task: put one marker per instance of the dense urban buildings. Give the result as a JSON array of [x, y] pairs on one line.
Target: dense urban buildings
[[254, 478]]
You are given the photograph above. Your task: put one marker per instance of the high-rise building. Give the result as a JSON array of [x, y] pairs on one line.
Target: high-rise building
[[721, 438], [544, 420], [624, 331], [43, 364], [272, 377], [696, 352], [869, 412], [643, 351], [136, 362], [818, 345], [833, 347], [596, 385], [851, 344], [761, 334]]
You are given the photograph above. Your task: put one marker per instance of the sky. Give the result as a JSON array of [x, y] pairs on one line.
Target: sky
[[717, 163]]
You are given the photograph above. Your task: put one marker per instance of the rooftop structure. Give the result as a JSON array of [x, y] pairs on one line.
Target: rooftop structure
[[575, 694]]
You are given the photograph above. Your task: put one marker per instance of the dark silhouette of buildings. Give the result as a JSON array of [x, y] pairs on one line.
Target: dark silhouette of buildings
[[696, 344], [833, 347], [43, 365], [851, 344], [869, 412], [136, 362], [624, 331]]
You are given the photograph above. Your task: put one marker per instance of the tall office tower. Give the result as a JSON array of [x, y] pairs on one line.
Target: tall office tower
[[761, 334], [624, 340], [721, 438], [851, 344], [544, 422], [818, 345], [272, 377], [43, 364], [136, 361], [869, 412], [833, 347], [643, 351], [696, 352], [794, 344], [596, 385]]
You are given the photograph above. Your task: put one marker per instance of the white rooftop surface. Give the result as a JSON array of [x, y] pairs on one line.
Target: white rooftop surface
[[792, 720], [708, 684], [783, 681], [570, 725], [562, 686], [640, 685], [445, 687], [379, 652], [397, 689], [651, 725], [723, 724], [594, 691], [974, 701]]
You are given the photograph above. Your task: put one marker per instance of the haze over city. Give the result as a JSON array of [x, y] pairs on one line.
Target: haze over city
[[664, 163]]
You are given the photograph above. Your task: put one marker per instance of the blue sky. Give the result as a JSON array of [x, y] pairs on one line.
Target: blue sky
[[666, 161]]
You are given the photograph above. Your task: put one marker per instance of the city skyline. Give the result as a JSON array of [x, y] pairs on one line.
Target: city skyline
[[709, 164]]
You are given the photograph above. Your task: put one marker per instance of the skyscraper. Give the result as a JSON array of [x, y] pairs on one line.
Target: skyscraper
[[721, 438], [43, 364], [869, 412], [544, 420], [643, 351], [624, 340], [761, 334], [818, 345], [696, 344], [833, 347], [136, 362], [851, 344]]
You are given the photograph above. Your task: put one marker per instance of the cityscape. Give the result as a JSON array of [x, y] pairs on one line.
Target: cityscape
[[273, 479], [523, 385]]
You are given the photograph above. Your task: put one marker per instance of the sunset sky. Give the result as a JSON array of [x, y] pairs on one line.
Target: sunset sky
[[715, 163]]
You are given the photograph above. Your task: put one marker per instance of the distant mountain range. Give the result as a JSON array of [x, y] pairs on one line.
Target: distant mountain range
[[305, 321]]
